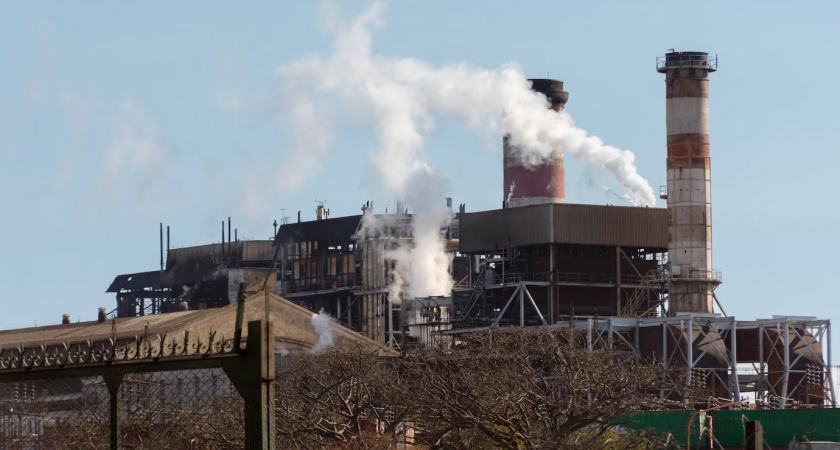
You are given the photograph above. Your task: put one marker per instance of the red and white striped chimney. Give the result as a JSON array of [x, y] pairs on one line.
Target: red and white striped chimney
[[689, 191], [544, 182]]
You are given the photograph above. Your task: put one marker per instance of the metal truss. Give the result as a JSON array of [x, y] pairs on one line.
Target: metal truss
[[799, 378], [699, 354], [520, 293], [681, 332]]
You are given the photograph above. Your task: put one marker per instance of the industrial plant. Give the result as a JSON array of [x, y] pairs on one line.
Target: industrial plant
[[637, 279]]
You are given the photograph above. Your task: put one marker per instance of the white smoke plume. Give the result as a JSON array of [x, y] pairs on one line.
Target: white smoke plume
[[321, 322], [421, 263], [401, 97]]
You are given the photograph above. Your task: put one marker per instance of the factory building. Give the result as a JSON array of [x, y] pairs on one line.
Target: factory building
[[639, 279]]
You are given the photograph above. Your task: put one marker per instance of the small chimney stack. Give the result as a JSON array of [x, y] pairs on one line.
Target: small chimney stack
[[65, 319], [544, 182], [103, 316], [183, 306]]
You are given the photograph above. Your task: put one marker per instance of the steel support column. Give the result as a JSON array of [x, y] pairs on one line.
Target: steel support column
[[114, 385], [689, 351], [761, 381], [829, 375], [618, 253], [552, 314], [255, 383], [734, 383], [786, 378]]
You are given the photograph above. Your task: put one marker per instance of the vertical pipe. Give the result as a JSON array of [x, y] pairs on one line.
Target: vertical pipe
[[829, 373], [689, 352], [391, 340], [469, 271], [617, 311], [167, 244], [787, 366], [664, 359], [553, 286], [338, 307], [521, 304], [733, 327], [240, 316], [235, 235], [229, 237], [761, 361], [223, 239], [161, 246]]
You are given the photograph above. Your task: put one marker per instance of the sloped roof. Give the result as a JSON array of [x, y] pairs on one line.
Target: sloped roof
[[293, 328]]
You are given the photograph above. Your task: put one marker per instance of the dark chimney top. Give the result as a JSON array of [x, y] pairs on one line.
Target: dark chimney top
[[65, 319], [102, 315]]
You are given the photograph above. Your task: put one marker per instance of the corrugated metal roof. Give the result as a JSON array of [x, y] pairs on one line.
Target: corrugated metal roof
[[340, 230], [292, 325], [168, 278], [562, 223], [135, 281], [212, 255]]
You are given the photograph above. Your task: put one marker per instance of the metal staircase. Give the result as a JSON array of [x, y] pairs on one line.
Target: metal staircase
[[644, 302], [476, 294]]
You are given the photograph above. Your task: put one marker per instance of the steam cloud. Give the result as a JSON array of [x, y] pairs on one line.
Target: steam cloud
[[321, 322], [401, 97]]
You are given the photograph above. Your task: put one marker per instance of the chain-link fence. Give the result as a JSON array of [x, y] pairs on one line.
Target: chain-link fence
[[187, 409]]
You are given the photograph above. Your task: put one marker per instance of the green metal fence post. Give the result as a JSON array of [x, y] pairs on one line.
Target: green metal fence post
[[114, 383], [255, 382]]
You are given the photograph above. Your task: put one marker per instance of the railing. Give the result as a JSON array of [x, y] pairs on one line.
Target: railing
[[516, 277], [693, 274], [463, 283], [680, 60], [564, 277], [588, 277], [316, 284], [703, 274]]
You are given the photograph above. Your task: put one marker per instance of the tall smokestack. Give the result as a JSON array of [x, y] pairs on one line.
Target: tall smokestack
[[543, 183], [689, 192]]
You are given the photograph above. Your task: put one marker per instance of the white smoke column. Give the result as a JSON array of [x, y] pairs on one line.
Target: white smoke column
[[422, 263], [401, 97], [321, 322]]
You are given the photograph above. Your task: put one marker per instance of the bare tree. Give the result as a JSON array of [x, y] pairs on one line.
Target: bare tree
[[343, 396], [525, 388], [505, 388]]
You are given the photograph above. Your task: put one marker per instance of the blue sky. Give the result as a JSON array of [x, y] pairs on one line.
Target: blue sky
[[112, 120]]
